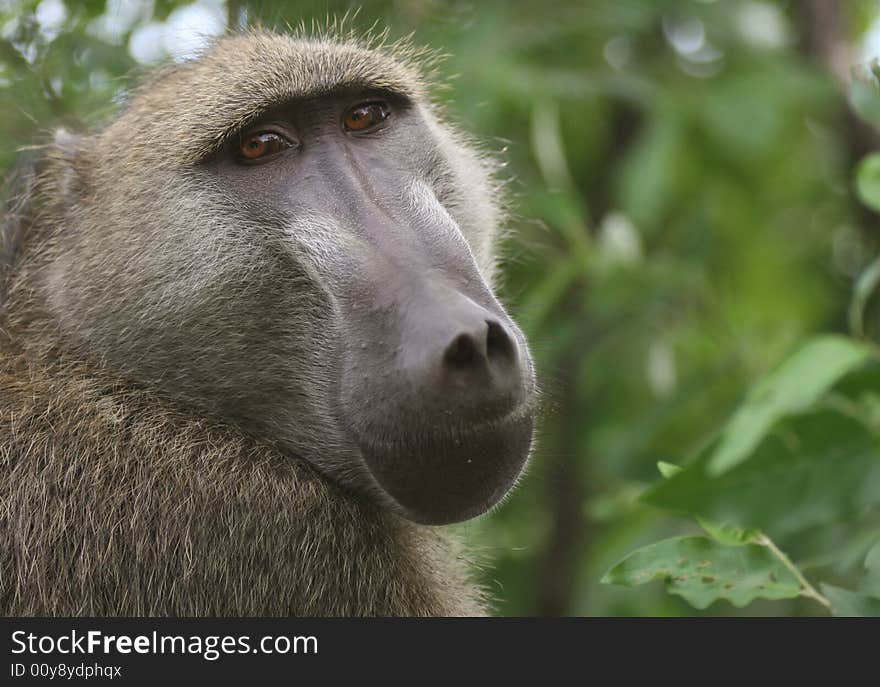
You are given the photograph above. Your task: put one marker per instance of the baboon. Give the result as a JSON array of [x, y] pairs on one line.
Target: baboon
[[250, 357]]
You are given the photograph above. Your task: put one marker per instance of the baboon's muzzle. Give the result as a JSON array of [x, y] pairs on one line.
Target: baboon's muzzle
[[437, 386], [442, 403]]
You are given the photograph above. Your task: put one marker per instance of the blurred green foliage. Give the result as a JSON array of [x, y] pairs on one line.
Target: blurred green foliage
[[685, 215]]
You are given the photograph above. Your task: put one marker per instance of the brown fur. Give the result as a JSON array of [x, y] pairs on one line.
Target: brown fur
[[113, 505]]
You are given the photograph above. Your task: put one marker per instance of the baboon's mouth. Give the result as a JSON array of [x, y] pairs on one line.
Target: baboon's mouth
[[444, 476]]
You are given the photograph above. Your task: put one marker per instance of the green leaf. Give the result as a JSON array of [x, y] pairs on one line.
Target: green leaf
[[847, 604], [870, 583], [864, 95], [668, 469], [730, 535], [868, 181], [703, 571], [799, 382], [722, 532], [813, 469], [653, 171], [865, 100], [865, 286], [743, 98]]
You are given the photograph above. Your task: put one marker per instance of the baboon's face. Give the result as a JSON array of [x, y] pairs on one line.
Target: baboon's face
[[317, 273]]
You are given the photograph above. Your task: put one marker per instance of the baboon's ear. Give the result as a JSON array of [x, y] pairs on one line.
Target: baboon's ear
[[66, 140], [25, 190], [66, 148]]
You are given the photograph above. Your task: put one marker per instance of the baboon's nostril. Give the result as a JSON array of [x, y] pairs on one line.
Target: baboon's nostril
[[498, 341], [486, 343], [466, 350], [459, 362]]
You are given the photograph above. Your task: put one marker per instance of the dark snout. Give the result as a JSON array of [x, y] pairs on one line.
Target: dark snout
[[436, 387], [444, 399]]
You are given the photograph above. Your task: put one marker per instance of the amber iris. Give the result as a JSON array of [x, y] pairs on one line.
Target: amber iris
[[365, 116], [261, 144]]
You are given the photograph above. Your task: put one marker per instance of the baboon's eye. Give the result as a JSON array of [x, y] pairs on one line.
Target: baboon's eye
[[260, 144], [365, 116]]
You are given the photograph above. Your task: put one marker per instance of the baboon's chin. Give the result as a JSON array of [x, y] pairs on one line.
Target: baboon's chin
[[448, 477]]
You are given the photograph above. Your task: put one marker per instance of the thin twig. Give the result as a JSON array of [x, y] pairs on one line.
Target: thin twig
[[806, 588]]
